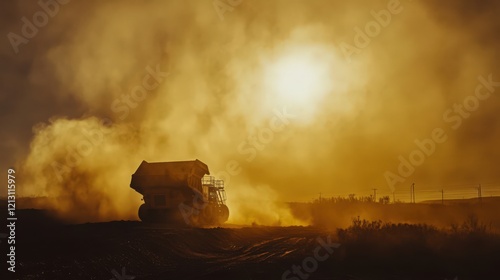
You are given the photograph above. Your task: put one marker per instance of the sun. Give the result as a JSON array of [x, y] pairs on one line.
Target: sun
[[300, 76]]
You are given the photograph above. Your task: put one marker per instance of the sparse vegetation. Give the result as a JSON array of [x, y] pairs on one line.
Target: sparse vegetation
[[337, 212], [471, 226], [467, 249]]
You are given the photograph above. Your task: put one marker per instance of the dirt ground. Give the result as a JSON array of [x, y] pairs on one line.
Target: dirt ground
[[133, 250]]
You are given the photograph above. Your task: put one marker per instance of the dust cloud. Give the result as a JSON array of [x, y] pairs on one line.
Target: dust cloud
[[105, 85]]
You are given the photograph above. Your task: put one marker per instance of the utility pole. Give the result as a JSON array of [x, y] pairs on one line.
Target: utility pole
[[442, 196], [393, 197], [374, 195]]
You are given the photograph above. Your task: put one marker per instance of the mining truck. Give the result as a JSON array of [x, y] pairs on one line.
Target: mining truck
[[180, 192]]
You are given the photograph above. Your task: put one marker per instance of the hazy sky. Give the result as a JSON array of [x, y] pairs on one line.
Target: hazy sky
[[287, 98]]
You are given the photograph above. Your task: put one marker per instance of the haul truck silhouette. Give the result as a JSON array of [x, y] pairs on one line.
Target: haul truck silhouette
[[180, 192]]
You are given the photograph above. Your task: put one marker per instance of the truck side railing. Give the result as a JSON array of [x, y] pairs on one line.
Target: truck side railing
[[218, 185]]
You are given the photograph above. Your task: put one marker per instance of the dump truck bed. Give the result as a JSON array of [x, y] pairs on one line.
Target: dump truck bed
[[177, 174]]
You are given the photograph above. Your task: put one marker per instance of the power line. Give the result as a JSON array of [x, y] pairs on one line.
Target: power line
[[427, 192]]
